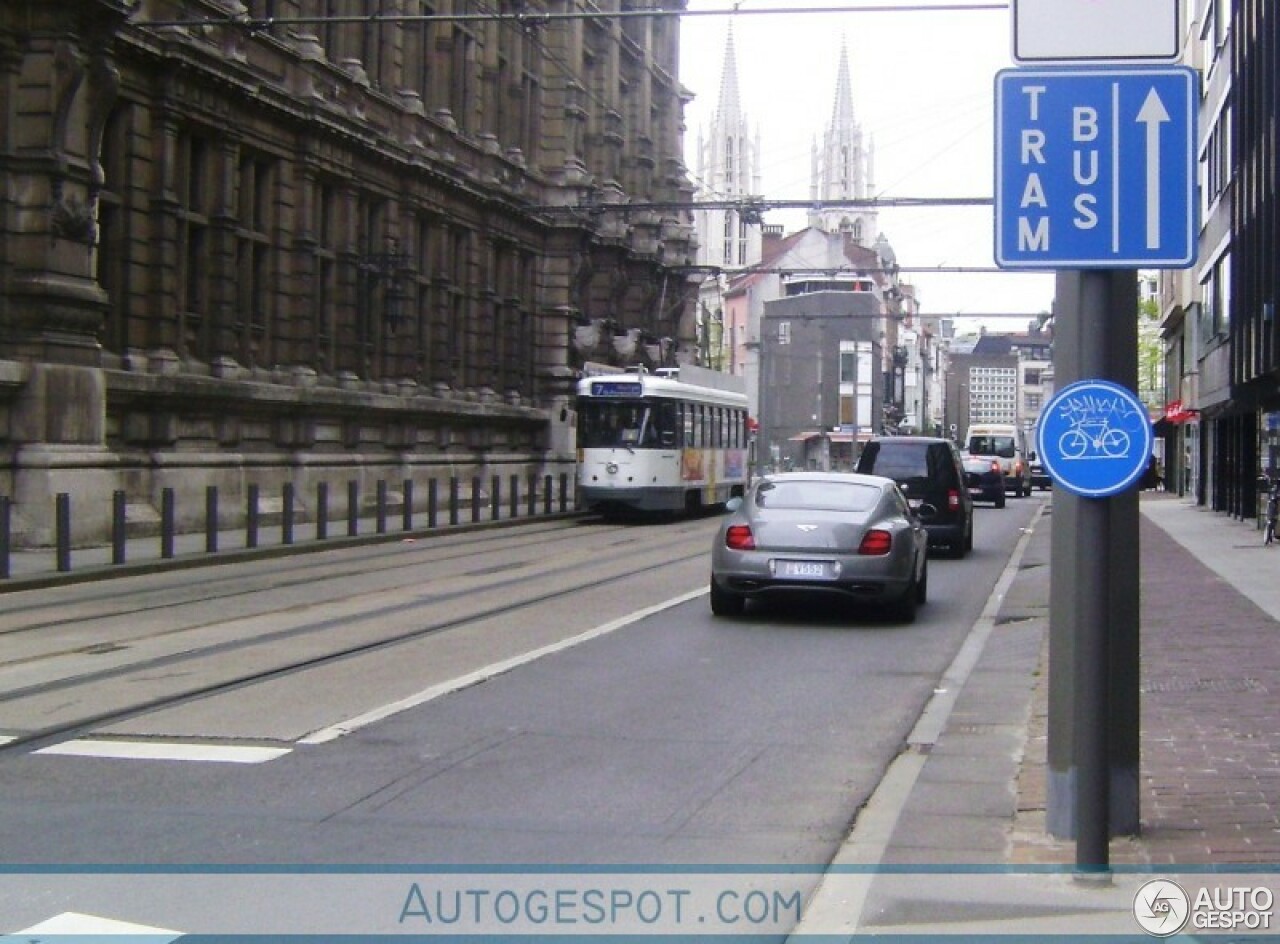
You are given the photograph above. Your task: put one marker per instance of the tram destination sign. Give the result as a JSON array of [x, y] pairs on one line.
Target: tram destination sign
[[1096, 168], [617, 388]]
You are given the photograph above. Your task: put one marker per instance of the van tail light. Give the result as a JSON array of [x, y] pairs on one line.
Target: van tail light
[[953, 500], [739, 538], [876, 543]]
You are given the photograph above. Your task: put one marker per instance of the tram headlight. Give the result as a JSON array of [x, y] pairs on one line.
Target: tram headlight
[[611, 468]]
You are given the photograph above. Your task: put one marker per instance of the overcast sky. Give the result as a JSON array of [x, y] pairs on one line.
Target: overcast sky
[[923, 89]]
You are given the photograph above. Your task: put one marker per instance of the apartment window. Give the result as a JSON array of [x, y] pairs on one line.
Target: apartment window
[[418, 39], [324, 209], [255, 222], [111, 258], [848, 363], [784, 332], [194, 186], [332, 30], [461, 78]]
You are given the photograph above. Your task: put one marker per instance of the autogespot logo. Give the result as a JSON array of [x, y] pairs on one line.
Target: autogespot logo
[[1161, 907]]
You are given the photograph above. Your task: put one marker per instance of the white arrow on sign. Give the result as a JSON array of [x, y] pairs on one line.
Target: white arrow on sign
[[1153, 114]]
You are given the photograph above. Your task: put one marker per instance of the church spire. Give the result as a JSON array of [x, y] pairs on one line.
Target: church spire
[[730, 105], [842, 168], [729, 168]]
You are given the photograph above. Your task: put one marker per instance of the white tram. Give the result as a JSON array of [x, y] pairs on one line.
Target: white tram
[[676, 440]]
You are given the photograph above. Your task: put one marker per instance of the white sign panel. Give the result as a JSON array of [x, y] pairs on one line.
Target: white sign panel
[[1074, 31]]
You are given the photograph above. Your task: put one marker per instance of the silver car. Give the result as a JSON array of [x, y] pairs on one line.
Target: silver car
[[821, 532]]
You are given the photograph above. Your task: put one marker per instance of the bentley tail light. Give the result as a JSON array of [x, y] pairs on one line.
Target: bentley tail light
[[739, 538], [876, 543]]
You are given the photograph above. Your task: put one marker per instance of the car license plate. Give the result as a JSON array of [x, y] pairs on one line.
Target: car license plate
[[810, 570]]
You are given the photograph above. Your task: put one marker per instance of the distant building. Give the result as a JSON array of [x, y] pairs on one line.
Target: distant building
[[759, 264], [822, 380]]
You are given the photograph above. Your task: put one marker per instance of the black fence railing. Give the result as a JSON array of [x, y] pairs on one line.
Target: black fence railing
[[550, 494]]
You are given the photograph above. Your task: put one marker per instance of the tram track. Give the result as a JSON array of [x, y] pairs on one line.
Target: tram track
[[208, 585], [217, 668]]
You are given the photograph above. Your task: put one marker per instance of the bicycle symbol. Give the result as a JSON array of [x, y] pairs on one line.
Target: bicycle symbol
[[1094, 438]]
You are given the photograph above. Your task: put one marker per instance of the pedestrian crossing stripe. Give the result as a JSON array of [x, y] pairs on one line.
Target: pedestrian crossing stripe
[[72, 922], [165, 750]]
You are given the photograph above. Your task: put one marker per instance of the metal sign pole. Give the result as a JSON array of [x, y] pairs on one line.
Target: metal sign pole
[[1093, 625]]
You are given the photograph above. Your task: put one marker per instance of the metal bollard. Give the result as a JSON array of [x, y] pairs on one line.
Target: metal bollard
[[6, 539], [5, 536], [62, 526], [515, 496], [380, 506], [167, 523], [433, 503], [495, 498], [119, 527], [211, 519], [353, 508], [406, 506], [533, 494], [475, 498], [286, 515], [546, 495], [251, 517], [322, 510], [564, 492], [453, 499]]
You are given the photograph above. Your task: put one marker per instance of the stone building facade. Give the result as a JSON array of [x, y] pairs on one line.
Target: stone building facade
[[289, 240]]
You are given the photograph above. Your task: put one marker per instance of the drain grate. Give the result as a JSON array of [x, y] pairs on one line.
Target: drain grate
[[1213, 686]]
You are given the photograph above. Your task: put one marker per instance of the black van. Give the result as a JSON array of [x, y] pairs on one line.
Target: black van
[[930, 473]]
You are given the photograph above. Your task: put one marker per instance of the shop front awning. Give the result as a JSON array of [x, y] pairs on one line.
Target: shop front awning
[[804, 437]]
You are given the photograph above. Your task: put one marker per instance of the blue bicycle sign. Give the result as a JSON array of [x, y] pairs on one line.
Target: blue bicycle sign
[[1094, 438]]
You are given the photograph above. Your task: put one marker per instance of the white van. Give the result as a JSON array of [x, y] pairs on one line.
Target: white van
[[1004, 442]]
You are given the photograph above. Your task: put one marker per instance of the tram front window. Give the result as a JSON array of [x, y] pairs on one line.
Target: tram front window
[[617, 424]]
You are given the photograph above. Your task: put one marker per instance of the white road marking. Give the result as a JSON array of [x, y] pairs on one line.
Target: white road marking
[[71, 922], [343, 728], [165, 750], [841, 896]]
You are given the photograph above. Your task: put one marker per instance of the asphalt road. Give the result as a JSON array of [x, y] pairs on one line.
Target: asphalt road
[[547, 697]]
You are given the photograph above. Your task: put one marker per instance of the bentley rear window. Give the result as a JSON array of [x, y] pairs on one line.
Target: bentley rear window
[[813, 495]]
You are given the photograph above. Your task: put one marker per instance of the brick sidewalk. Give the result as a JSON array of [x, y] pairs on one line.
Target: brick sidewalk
[[1210, 704]]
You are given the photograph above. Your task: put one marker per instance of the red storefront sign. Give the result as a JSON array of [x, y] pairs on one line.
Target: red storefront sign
[[1175, 412]]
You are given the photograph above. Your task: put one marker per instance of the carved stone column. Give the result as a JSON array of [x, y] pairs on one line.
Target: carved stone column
[[60, 85]]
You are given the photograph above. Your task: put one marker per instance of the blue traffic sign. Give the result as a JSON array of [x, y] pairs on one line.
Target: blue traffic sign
[[1094, 438], [1096, 168]]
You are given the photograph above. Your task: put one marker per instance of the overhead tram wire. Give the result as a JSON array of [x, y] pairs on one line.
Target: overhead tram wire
[[536, 19]]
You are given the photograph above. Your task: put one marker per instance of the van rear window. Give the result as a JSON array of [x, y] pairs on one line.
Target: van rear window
[[898, 461], [1002, 446]]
